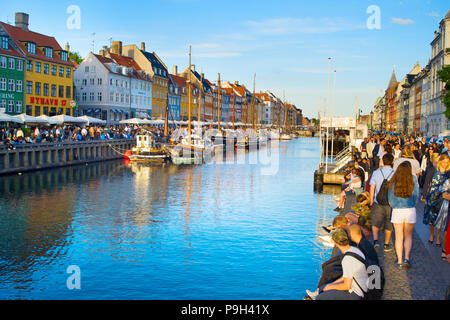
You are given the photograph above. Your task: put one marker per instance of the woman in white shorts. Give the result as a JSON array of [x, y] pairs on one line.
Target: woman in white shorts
[[403, 195]]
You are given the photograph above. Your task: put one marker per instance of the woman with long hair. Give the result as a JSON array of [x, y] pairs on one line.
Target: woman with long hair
[[408, 155], [434, 197], [403, 194]]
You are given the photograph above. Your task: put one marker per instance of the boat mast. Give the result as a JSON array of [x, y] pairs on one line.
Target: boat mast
[[166, 117], [199, 104], [245, 97], [189, 97], [218, 103], [253, 103], [234, 102]]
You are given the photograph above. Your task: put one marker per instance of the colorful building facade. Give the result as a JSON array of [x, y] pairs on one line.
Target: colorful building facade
[[48, 85]]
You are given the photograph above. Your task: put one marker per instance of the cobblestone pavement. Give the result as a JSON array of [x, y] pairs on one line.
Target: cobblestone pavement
[[428, 277]]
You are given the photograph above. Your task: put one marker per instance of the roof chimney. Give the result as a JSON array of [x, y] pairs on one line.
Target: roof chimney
[[67, 47], [143, 46], [193, 67], [117, 47], [175, 70], [22, 20]]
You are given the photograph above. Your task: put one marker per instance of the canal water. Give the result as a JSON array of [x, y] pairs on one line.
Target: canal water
[[217, 231]]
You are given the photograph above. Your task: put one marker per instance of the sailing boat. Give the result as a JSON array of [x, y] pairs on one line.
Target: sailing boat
[[191, 149]]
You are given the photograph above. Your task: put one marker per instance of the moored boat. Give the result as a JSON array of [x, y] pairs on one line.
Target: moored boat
[[147, 150]]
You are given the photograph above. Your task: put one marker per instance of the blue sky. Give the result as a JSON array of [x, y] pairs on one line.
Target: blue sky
[[286, 43]]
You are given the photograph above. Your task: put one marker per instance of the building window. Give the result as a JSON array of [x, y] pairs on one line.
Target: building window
[[12, 64], [46, 68], [3, 62], [92, 82], [53, 70], [111, 97], [64, 56], [99, 96], [19, 65], [68, 112], [37, 88], [45, 111], [46, 87], [11, 106], [3, 104], [29, 110], [53, 93], [5, 43], [68, 92], [31, 47], [19, 106], [61, 91], [84, 82], [29, 65], [117, 97], [91, 96], [84, 96], [49, 52], [37, 111], [99, 81], [86, 69], [68, 72], [29, 87], [61, 71], [3, 84], [19, 86], [37, 67]]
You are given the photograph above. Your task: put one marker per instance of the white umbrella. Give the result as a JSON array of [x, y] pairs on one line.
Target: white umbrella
[[49, 120], [68, 119], [29, 119], [92, 120], [135, 121], [7, 118]]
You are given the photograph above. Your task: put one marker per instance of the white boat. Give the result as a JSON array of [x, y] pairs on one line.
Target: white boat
[[146, 150], [285, 137], [191, 152]]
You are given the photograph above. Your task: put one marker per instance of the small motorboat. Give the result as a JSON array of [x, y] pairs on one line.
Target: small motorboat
[[285, 137], [147, 150]]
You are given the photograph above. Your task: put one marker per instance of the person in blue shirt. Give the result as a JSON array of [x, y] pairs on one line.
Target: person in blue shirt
[[403, 195]]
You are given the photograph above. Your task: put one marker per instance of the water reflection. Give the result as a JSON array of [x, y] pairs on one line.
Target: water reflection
[[218, 231]]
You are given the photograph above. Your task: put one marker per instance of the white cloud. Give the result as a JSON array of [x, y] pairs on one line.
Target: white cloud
[[433, 14], [402, 21]]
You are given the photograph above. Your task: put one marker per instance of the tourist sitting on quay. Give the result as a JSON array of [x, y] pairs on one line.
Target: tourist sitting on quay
[[353, 283], [403, 195], [360, 214]]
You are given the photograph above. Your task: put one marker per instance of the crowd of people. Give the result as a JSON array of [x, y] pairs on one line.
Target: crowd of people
[[386, 181], [17, 135]]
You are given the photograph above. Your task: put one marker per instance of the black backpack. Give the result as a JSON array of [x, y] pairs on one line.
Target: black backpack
[[371, 294], [382, 196]]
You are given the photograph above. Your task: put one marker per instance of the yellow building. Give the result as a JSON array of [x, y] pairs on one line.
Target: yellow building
[[48, 83], [152, 65]]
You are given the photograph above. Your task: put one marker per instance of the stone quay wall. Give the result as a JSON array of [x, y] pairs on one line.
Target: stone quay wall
[[29, 157]]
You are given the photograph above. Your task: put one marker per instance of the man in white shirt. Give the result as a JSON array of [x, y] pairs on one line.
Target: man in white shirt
[[353, 283]]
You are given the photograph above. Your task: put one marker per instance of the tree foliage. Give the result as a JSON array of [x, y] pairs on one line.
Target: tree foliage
[[75, 56], [444, 76]]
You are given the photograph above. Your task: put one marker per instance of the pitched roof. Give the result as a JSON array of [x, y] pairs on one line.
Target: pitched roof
[[155, 62], [11, 51], [21, 36], [180, 81], [125, 61], [393, 80]]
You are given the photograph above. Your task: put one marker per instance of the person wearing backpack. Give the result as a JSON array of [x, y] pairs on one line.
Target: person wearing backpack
[[380, 210], [353, 283], [403, 195]]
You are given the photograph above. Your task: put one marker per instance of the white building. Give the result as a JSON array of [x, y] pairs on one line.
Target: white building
[[103, 88], [440, 51]]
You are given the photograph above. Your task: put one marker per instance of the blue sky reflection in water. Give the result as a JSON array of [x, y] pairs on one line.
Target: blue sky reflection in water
[[218, 231]]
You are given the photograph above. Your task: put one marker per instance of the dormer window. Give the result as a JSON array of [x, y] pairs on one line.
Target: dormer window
[[31, 47], [64, 56], [5, 43], [48, 52]]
